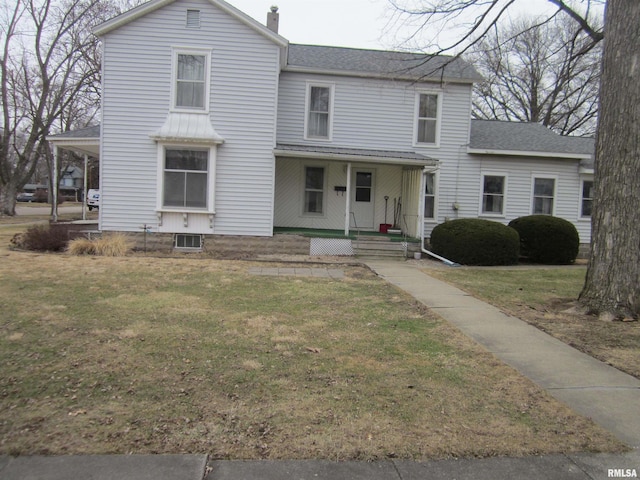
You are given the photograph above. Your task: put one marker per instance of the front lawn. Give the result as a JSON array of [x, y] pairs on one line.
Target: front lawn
[[162, 355]]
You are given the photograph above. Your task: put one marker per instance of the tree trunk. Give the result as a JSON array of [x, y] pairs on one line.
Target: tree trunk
[[8, 194], [612, 285]]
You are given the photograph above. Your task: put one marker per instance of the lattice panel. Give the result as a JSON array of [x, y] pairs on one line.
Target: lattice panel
[[331, 246]]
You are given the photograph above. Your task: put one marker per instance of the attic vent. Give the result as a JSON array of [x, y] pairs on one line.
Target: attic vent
[[193, 18]]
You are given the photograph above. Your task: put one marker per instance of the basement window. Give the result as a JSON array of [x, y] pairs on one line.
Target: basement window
[[188, 242]]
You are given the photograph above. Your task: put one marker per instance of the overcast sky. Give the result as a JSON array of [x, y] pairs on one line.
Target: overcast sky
[[344, 23]]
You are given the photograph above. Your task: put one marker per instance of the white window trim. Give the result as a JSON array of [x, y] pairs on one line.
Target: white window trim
[[307, 101], [175, 51], [555, 192], [502, 214], [211, 178], [325, 184], [416, 113], [436, 183], [583, 218]]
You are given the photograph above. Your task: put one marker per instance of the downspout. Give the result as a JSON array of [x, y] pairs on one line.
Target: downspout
[[447, 262]]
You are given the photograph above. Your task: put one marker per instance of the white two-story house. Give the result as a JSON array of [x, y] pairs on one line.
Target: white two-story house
[[213, 124]]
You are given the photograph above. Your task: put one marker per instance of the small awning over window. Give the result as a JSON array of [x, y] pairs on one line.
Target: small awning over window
[[187, 128]]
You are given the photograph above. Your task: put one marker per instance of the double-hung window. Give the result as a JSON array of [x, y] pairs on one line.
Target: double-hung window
[[544, 190], [493, 194], [186, 176], [191, 80], [427, 118], [587, 199], [319, 111], [430, 196], [314, 190]]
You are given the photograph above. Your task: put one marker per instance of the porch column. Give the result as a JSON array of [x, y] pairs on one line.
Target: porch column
[[84, 188], [54, 185], [347, 216]]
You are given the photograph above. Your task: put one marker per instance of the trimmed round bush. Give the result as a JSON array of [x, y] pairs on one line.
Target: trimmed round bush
[[546, 239], [473, 241]]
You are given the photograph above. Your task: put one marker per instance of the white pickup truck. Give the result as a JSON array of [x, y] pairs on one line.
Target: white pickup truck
[[93, 199]]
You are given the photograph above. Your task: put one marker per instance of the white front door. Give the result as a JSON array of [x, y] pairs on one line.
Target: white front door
[[362, 197]]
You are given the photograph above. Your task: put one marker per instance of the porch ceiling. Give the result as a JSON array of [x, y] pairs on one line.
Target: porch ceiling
[[353, 155]]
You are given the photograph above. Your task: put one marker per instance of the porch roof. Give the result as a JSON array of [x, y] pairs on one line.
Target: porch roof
[[85, 140], [354, 155]]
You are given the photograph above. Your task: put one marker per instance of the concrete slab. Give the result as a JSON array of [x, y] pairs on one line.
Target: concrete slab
[[107, 467], [604, 465], [553, 467], [301, 470]]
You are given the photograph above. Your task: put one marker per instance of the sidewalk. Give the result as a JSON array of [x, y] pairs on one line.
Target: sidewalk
[[591, 388]]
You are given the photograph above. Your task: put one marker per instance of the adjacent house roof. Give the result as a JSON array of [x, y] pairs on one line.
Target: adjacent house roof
[[386, 64], [526, 139]]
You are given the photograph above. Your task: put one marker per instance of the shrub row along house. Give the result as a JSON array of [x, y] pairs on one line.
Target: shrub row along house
[[213, 124]]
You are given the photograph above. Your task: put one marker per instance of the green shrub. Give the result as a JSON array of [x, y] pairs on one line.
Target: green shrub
[[472, 241], [45, 238], [546, 239]]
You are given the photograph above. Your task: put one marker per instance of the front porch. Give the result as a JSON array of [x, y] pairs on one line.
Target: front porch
[[350, 190]]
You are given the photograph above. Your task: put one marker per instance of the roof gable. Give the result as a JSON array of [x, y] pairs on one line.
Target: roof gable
[[153, 5], [379, 63]]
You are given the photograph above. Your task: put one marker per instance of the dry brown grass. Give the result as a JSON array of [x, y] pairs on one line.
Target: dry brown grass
[[159, 355]]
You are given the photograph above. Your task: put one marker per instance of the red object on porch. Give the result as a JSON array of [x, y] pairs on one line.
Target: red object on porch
[[384, 227]]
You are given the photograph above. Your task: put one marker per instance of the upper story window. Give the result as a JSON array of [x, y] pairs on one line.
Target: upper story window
[[319, 111], [587, 198], [493, 194], [191, 80], [428, 114], [544, 191]]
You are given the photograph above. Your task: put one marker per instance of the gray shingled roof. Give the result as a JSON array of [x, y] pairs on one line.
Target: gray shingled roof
[[380, 63], [525, 137], [87, 132], [357, 152]]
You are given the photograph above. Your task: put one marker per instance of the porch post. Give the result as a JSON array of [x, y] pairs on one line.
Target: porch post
[[347, 216], [84, 188], [54, 185]]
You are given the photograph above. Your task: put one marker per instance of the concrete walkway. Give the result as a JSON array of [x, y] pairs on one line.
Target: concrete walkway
[[609, 397]]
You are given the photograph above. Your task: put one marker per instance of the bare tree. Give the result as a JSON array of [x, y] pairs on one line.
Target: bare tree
[[612, 285], [538, 73], [50, 81]]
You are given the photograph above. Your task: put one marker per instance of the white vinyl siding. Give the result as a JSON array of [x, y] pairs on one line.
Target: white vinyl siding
[[137, 96]]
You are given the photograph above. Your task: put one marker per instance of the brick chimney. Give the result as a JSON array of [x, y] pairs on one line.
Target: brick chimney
[[273, 19]]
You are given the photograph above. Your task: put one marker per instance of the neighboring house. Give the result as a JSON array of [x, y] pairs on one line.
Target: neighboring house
[[213, 124]]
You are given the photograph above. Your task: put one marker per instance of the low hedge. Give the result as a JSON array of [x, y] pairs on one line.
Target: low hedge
[[473, 241], [546, 239]]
